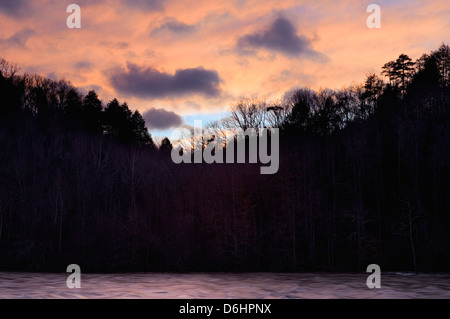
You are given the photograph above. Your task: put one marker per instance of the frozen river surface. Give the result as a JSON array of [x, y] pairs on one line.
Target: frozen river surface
[[224, 285]]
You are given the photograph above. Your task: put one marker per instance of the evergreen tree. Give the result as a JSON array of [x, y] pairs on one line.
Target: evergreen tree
[[92, 110], [166, 146], [140, 131]]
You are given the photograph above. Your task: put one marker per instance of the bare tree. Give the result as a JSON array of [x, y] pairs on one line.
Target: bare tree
[[277, 113], [247, 113], [7, 69]]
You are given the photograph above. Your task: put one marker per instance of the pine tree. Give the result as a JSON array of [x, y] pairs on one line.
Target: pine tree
[[92, 109], [403, 70], [140, 131]]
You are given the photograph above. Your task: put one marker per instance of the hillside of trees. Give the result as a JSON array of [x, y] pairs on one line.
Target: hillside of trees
[[364, 177]]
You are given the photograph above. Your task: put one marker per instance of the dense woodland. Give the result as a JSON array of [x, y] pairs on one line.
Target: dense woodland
[[364, 178]]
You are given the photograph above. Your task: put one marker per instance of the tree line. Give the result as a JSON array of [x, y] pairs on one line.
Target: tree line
[[364, 178]]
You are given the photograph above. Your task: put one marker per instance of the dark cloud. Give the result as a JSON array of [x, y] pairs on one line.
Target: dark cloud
[[18, 39], [280, 37], [83, 64], [13, 7], [148, 82], [160, 119], [172, 25], [145, 5], [115, 45]]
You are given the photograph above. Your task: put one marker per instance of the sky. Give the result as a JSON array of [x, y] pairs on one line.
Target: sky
[[177, 61]]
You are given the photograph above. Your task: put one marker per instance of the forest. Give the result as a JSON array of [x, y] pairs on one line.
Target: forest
[[364, 177]]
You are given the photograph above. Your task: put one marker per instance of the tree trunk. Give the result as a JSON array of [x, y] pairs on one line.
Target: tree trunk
[[411, 239]]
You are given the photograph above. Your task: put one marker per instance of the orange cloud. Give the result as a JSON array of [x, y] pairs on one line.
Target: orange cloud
[[203, 35]]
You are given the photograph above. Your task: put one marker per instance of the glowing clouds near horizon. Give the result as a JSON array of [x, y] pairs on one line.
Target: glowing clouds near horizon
[[200, 59]]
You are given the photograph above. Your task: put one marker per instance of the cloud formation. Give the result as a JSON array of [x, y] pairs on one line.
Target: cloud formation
[[172, 25], [280, 37], [150, 83], [13, 7], [160, 119], [83, 64], [18, 39], [146, 5]]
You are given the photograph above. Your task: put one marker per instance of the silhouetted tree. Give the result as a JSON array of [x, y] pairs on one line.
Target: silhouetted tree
[[373, 87], [390, 71], [166, 146], [364, 177], [247, 113], [302, 101], [403, 70], [442, 56], [140, 131], [92, 111], [399, 72]]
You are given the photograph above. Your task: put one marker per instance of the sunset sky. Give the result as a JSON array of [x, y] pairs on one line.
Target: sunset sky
[[178, 61]]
